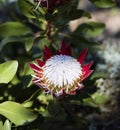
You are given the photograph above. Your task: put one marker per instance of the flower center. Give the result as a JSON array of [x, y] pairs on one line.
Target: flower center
[[62, 71]]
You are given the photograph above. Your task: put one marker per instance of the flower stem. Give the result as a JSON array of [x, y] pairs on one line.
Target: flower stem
[[66, 108], [48, 28]]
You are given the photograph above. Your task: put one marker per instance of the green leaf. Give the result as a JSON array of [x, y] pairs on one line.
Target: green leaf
[[26, 8], [70, 15], [66, 13], [43, 42], [99, 98], [95, 99], [8, 71], [83, 42], [16, 113], [55, 109], [89, 102], [90, 29], [97, 75], [71, 5], [26, 80], [29, 43], [103, 3], [77, 13], [7, 125], [1, 125], [7, 40], [13, 29]]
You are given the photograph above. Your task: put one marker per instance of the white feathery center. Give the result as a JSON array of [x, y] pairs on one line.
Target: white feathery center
[[62, 70]]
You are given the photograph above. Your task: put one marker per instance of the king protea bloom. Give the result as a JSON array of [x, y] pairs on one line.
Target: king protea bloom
[[61, 74]]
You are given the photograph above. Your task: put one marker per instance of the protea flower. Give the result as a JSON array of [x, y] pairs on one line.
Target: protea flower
[[50, 3], [61, 74]]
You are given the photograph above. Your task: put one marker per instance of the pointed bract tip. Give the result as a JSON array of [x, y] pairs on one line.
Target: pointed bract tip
[[40, 63], [33, 66], [68, 50], [47, 53], [86, 74], [63, 47], [82, 56]]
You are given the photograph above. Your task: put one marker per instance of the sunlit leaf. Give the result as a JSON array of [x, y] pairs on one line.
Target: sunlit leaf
[[26, 8], [44, 98], [13, 29], [98, 75], [89, 102], [16, 113], [99, 98], [90, 29], [43, 42], [8, 71], [103, 3], [7, 125], [1, 125], [95, 99], [29, 43], [27, 104]]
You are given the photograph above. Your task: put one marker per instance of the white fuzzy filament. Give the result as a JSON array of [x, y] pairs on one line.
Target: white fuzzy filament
[[62, 70]]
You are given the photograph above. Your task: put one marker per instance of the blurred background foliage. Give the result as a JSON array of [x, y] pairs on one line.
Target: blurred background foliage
[[24, 31]]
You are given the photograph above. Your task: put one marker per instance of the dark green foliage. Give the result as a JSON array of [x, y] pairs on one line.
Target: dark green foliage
[[22, 40]]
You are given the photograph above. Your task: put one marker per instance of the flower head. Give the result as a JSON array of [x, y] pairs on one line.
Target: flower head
[[50, 3], [61, 74]]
